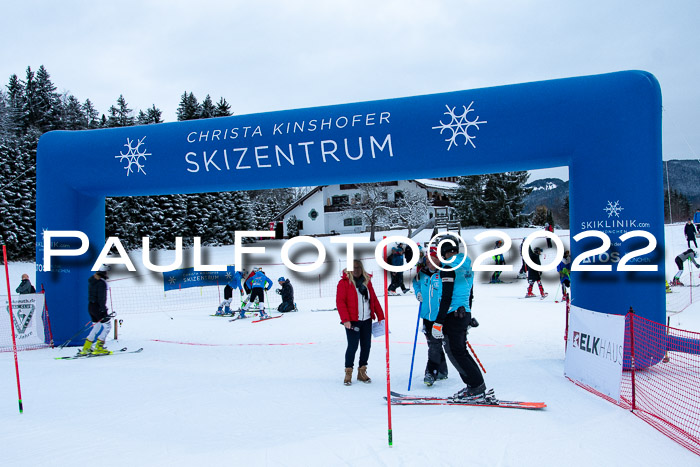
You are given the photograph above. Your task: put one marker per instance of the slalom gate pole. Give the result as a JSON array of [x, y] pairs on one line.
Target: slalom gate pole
[[386, 340], [12, 326], [477, 358], [48, 320], [415, 341]]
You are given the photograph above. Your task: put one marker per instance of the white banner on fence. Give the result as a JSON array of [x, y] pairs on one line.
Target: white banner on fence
[[595, 350], [27, 313]]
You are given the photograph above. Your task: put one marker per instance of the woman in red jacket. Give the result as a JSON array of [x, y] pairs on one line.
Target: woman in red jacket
[[357, 306]]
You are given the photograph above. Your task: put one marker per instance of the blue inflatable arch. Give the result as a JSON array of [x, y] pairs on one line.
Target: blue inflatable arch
[[606, 128]]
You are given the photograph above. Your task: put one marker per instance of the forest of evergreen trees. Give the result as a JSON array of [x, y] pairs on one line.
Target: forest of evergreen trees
[[31, 106], [492, 200]]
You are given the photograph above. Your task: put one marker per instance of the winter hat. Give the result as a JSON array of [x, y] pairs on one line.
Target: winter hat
[[281, 279], [102, 274]]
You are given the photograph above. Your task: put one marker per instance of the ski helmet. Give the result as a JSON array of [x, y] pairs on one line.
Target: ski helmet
[[448, 244]]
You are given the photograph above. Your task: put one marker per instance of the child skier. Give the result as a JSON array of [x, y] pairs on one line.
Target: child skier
[[533, 275], [257, 283], [500, 261], [680, 259], [234, 283], [564, 275]]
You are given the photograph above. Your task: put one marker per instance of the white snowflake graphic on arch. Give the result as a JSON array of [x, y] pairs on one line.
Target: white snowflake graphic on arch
[[459, 125], [613, 208], [135, 156]]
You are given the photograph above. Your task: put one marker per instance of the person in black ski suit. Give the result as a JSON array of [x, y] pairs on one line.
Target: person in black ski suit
[[455, 317], [287, 293], [690, 232], [101, 318]]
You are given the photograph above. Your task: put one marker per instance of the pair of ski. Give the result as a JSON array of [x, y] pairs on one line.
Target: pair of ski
[[535, 296], [404, 399], [236, 318], [114, 352]]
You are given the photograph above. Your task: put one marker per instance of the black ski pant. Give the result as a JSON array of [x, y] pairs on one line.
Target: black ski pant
[[437, 363], [455, 344], [396, 282], [363, 338]]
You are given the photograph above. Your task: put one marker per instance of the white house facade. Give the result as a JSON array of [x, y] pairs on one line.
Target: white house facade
[[327, 209]]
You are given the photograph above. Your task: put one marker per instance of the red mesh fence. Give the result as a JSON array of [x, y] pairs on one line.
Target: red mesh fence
[[663, 386]]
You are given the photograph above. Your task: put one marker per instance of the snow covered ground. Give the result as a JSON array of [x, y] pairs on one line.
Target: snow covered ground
[[209, 391]]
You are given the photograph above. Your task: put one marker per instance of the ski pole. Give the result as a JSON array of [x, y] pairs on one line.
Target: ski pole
[[89, 323], [415, 341], [477, 358]]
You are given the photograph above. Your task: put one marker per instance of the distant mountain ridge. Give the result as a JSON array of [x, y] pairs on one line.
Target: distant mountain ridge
[[550, 192], [684, 177]]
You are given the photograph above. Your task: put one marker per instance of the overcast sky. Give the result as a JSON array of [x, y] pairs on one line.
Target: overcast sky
[[275, 55]]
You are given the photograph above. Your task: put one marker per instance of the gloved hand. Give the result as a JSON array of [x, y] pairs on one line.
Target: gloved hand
[[268, 288], [437, 331], [419, 296]]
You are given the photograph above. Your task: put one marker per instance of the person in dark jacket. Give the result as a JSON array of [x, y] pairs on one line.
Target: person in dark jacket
[[533, 275], [396, 259], [357, 306], [287, 293], [101, 319], [454, 318], [25, 286], [690, 232]]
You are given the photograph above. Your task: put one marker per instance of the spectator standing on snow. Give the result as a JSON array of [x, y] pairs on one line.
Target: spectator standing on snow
[[534, 275], [426, 286], [357, 305], [259, 283], [397, 277], [101, 319], [690, 232], [549, 228], [25, 286], [680, 259], [287, 293]]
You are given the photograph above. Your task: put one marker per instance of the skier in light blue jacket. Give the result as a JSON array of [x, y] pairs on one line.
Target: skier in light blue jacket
[[426, 285]]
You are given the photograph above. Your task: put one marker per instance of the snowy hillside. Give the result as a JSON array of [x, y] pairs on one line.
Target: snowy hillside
[[206, 391]]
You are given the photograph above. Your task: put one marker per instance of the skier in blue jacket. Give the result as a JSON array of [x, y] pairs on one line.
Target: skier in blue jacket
[[234, 283], [257, 283], [426, 286], [454, 318]]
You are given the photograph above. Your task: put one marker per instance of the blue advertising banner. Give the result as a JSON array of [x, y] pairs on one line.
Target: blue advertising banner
[[188, 277]]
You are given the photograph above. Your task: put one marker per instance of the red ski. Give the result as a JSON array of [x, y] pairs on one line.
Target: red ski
[[402, 399], [265, 319]]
